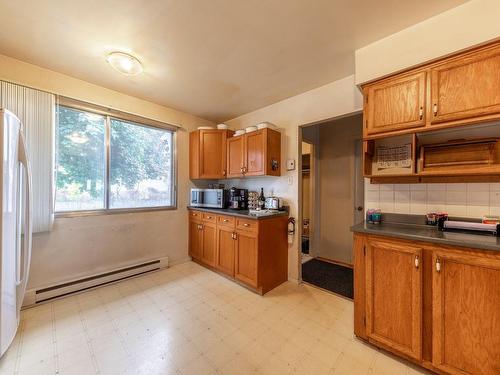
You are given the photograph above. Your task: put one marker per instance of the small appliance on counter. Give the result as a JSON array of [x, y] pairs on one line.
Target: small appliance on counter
[[272, 203], [238, 199], [208, 198], [446, 225]]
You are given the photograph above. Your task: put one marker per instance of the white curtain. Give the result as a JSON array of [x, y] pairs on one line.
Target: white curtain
[[36, 110]]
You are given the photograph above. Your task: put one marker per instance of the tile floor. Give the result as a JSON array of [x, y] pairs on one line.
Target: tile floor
[[188, 320]]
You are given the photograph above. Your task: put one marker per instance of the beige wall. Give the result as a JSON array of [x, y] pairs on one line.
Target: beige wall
[[467, 25], [335, 99], [337, 142], [82, 246]]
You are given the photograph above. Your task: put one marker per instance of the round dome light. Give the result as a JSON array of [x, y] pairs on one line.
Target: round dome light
[[124, 63]]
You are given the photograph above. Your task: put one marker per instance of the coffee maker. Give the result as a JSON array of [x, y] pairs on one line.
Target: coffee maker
[[238, 199]]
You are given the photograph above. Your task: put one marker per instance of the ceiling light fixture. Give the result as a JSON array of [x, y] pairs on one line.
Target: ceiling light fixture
[[124, 63]]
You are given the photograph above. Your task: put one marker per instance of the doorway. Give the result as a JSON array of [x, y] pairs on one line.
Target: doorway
[[332, 201]]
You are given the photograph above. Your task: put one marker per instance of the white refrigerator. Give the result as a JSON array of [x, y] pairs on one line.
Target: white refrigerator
[[15, 223]]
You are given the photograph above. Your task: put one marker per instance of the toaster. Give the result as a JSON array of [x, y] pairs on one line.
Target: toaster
[[272, 203]]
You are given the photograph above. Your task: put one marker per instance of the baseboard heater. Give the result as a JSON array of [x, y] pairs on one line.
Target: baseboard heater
[[35, 296]]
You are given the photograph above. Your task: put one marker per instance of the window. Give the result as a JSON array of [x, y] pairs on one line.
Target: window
[[108, 163]]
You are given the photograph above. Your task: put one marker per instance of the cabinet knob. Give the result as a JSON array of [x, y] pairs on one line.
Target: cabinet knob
[[417, 261], [246, 225], [209, 217], [438, 265], [225, 220], [435, 109], [224, 172]]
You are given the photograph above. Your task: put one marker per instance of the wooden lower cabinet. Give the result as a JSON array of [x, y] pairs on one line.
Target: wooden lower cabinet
[[247, 257], [195, 239], [466, 313], [394, 296], [225, 250], [437, 306], [209, 243], [252, 252]]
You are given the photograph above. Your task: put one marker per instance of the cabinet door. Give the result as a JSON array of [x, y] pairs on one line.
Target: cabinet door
[[212, 154], [466, 87], [235, 156], [226, 243], [466, 313], [195, 239], [209, 240], [394, 296], [255, 153], [246, 258], [395, 104]]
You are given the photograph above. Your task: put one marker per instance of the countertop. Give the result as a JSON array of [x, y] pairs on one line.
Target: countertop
[[431, 234], [240, 213]]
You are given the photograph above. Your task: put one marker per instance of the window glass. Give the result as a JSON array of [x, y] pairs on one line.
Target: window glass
[[80, 160], [140, 173]]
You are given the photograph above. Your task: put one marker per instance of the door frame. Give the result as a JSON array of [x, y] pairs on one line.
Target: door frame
[[298, 227]]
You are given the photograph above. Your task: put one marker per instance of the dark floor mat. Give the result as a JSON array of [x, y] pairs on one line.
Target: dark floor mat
[[329, 276]]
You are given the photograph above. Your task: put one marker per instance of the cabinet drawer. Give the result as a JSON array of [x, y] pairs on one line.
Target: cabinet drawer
[[244, 224], [226, 221], [208, 217], [195, 215]]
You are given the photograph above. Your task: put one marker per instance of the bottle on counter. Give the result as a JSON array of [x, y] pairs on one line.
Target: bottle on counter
[[262, 199]]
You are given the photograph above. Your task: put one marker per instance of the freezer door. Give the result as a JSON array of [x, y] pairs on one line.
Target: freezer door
[[10, 265]]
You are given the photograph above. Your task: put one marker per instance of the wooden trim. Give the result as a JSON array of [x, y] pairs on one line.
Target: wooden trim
[[337, 262]]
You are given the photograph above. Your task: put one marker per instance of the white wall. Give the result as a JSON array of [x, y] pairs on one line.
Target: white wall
[[335, 99], [85, 245], [467, 25]]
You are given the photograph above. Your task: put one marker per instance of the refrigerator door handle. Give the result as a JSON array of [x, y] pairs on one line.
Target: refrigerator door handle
[[28, 235]]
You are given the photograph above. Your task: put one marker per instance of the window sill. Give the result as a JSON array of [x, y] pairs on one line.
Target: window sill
[[71, 214]]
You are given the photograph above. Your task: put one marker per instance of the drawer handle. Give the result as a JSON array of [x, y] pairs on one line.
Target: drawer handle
[[225, 220], [209, 217], [417, 261], [246, 225], [435, 109], [421, 113]]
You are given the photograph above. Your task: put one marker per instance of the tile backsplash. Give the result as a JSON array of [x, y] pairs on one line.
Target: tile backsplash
[[466, 200]]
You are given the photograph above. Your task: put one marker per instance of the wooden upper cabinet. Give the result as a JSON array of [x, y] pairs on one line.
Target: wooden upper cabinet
[[395, 104], [257, 153], [235, 156], [466, 313], [394, 296], [246, 261], [466, 87], [207, 153]]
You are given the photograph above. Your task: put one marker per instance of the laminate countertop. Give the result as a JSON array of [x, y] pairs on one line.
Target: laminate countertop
[[431, 234], [241, 213]]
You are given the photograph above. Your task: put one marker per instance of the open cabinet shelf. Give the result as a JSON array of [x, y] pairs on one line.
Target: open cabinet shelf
[[458, 155]]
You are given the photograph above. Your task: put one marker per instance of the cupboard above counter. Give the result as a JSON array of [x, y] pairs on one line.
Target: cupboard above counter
[[437, 122], [457, 90], [217, 154]]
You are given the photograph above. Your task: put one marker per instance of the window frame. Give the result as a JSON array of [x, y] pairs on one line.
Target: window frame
[[108, 115]]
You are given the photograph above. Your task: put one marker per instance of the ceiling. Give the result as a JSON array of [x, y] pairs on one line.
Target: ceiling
[[216, 59]]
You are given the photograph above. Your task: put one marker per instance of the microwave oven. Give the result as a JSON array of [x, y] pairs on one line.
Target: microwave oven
[[210, 198]]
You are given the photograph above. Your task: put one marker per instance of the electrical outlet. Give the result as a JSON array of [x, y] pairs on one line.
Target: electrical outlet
[[290, 164]]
